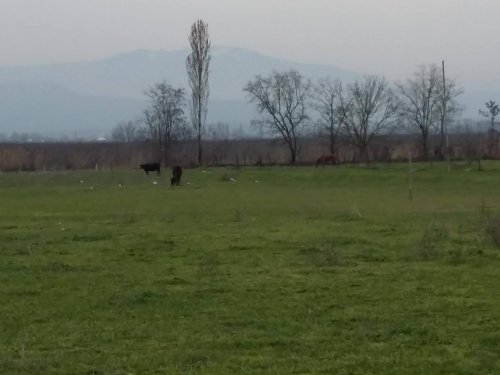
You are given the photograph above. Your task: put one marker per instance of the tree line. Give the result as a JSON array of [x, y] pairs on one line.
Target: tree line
[[359, 111], [291, 106]]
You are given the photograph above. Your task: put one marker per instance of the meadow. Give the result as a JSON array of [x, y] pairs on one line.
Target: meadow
[[285, 270]]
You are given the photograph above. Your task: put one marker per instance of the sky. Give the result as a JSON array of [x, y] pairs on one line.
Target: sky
[[388, 37]]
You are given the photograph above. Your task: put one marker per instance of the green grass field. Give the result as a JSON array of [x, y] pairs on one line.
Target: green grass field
[[308, 270]]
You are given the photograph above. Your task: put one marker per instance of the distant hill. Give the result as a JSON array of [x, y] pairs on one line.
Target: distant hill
[[89, 98], [129, 74], [52, 110]]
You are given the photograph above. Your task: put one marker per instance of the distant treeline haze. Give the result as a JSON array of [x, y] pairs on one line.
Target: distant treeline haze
[[251, 152]]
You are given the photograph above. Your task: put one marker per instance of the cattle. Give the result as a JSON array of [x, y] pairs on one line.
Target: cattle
[[176, 176], [326, 159], [151, 167]]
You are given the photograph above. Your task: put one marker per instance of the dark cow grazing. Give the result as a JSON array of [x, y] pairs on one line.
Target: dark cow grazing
[[150, 167], [326, 159], [176, 175]]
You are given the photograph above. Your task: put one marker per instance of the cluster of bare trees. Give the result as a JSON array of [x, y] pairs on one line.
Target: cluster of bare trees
[[165, 118], [359, 111], [428, 105], [290, 104], [129, 131]]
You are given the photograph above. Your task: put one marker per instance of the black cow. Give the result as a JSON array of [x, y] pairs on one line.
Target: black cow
[[150, 167], [176, 175]]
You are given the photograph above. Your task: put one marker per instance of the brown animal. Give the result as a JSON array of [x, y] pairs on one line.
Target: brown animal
[[326, 159], [176, 175]]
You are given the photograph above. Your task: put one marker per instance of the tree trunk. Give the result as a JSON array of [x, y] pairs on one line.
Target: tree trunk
[[200, 151], [160, 157], [442, 139], [332, 142], [293, 154], [425, 149], [166, 152], [363, 154]]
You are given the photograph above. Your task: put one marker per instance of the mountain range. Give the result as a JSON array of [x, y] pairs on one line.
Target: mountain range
[[88, 99]]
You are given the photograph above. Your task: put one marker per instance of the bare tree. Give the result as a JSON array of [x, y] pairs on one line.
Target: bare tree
[[126, 131], [183, 131], [369, 109], [142, 132], [164, 115], [218, 131], [283, 100], [328, 97], [418, 102], [491, 112], [197, 65]]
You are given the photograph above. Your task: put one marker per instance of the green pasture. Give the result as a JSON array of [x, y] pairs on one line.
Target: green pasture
[[330, 270]]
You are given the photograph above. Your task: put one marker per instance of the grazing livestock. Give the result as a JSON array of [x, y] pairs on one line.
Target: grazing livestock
[[176, 175], [326, 159], [150, 167]]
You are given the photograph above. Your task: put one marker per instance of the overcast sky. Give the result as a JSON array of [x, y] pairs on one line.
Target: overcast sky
[[389, 37]]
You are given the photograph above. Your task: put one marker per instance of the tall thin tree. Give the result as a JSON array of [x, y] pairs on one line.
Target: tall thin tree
[[197, 65]]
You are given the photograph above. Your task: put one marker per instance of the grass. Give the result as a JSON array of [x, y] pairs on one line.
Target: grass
[[282, 271]]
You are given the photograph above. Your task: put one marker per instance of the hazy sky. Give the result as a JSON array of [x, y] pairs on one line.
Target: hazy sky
[[389, 37]]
